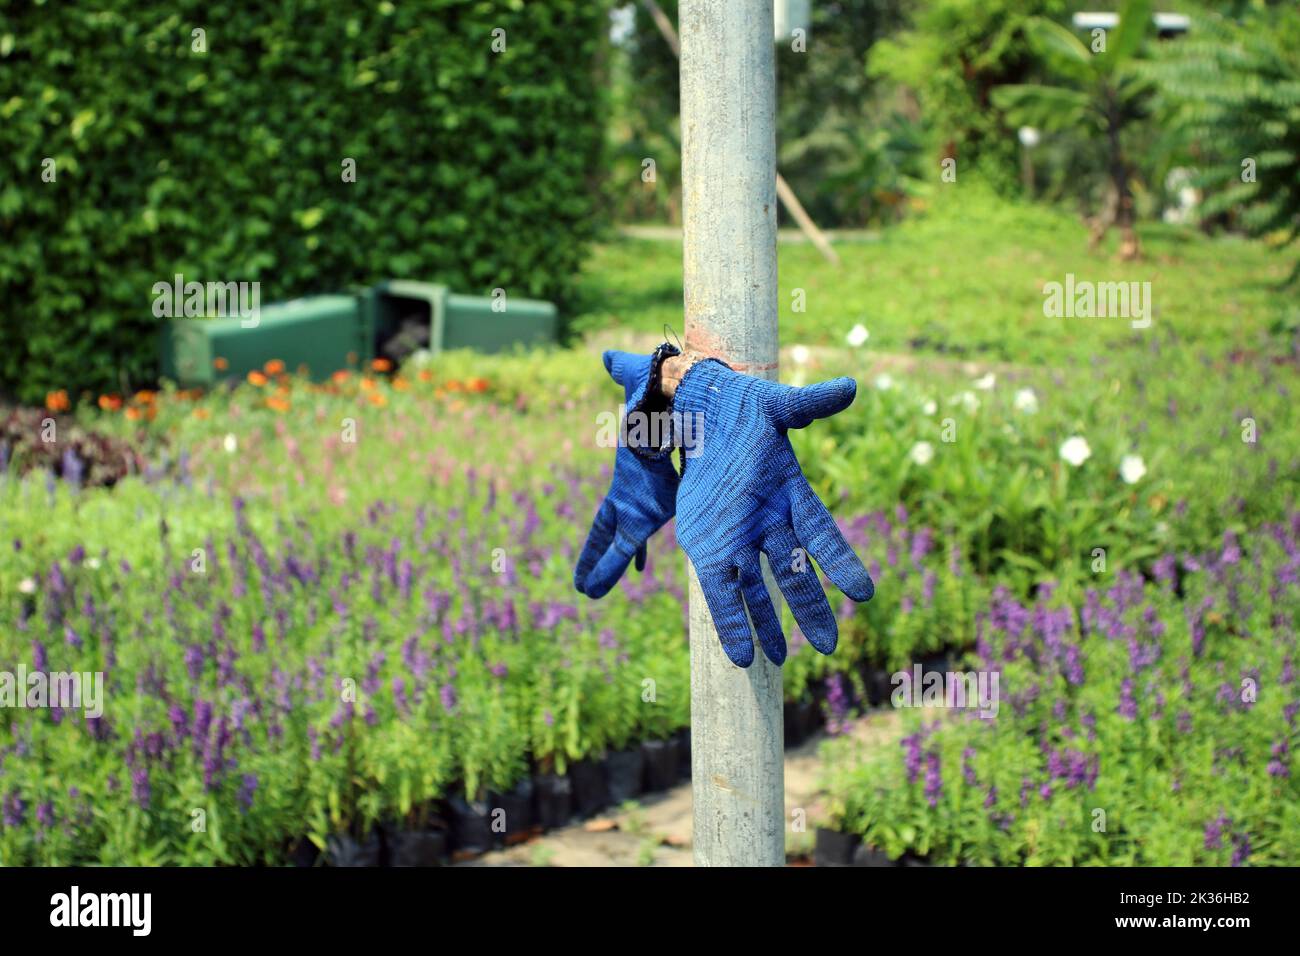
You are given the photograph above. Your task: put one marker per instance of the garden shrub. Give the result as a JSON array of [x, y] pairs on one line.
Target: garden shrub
[[221, 156]]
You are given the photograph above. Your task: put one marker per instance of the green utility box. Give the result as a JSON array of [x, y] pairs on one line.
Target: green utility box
[[322, 333], [407, 316]]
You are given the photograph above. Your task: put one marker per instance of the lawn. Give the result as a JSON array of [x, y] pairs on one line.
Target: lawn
[[966, 279]]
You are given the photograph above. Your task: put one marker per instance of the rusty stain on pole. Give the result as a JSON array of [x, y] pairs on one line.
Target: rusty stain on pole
[[728, 117]]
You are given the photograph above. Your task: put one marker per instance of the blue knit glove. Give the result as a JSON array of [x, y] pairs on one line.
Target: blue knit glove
[[742, 492], [643, 494]]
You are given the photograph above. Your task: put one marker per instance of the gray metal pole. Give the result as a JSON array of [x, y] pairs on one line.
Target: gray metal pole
[[728, 113]]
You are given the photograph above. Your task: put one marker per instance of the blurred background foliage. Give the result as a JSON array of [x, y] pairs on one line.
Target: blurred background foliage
[[890, 88], [473, 167], [488, 170]]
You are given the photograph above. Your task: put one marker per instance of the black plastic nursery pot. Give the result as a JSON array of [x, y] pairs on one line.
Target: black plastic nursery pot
[[834, 848], [626, 771], [470, 823], [590, 786], [303, 853], [936, 664], [553, 800], [343, 849], [864, 855], [517, 818], [684, 753], [801, 721], [660, 764], [426, 847], [878, 684]]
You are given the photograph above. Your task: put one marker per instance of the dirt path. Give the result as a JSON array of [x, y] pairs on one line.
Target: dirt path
[[656, 831]]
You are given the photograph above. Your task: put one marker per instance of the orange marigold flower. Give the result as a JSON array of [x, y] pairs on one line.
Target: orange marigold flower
[[273, 367], [378, 398], [220, 364], [477, 385], [454, 386], [277, 404], [145, 397], [382, 365], [426, 375], [256, 378], [57, 401], [400, 384], [367, 384], [133, 413], [341, 376], [200, 412], [110, 403]]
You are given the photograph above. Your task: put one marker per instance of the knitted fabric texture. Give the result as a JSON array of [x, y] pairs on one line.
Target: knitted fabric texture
[[743, 493], [642, 496]]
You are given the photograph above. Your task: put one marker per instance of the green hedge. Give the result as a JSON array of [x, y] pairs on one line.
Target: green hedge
[[472, 166]]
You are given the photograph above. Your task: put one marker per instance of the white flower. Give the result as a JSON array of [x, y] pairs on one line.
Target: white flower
[[27, 586], [884, 382], [1075, 450], [922, 453], [929, 408], [858, 336], [1132, 469], [967, 400], [231, 444], [799, 354], [986, 383], [92, 563], [1026, 401]]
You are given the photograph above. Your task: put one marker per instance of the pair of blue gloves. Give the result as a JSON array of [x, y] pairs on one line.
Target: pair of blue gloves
[[741, 492]]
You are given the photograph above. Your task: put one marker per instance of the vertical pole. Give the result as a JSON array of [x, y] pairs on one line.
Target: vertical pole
[[728, 116]]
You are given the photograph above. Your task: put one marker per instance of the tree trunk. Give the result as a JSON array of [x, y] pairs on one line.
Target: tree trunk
[[1119, 177]]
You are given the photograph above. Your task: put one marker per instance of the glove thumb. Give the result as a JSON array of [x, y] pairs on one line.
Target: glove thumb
[[789, 407]]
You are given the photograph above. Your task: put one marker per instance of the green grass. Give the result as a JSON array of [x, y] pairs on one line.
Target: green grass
[[966, 278]]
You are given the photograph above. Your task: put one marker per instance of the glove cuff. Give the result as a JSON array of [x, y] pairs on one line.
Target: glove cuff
[[648, 401]]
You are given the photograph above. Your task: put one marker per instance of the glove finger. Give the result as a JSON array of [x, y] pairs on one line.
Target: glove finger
[[640, 558], [620, 364], [802, 589], [722, 595], [598, 541], [814, 526], [611, 566], [789, 407], [761, 612]]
